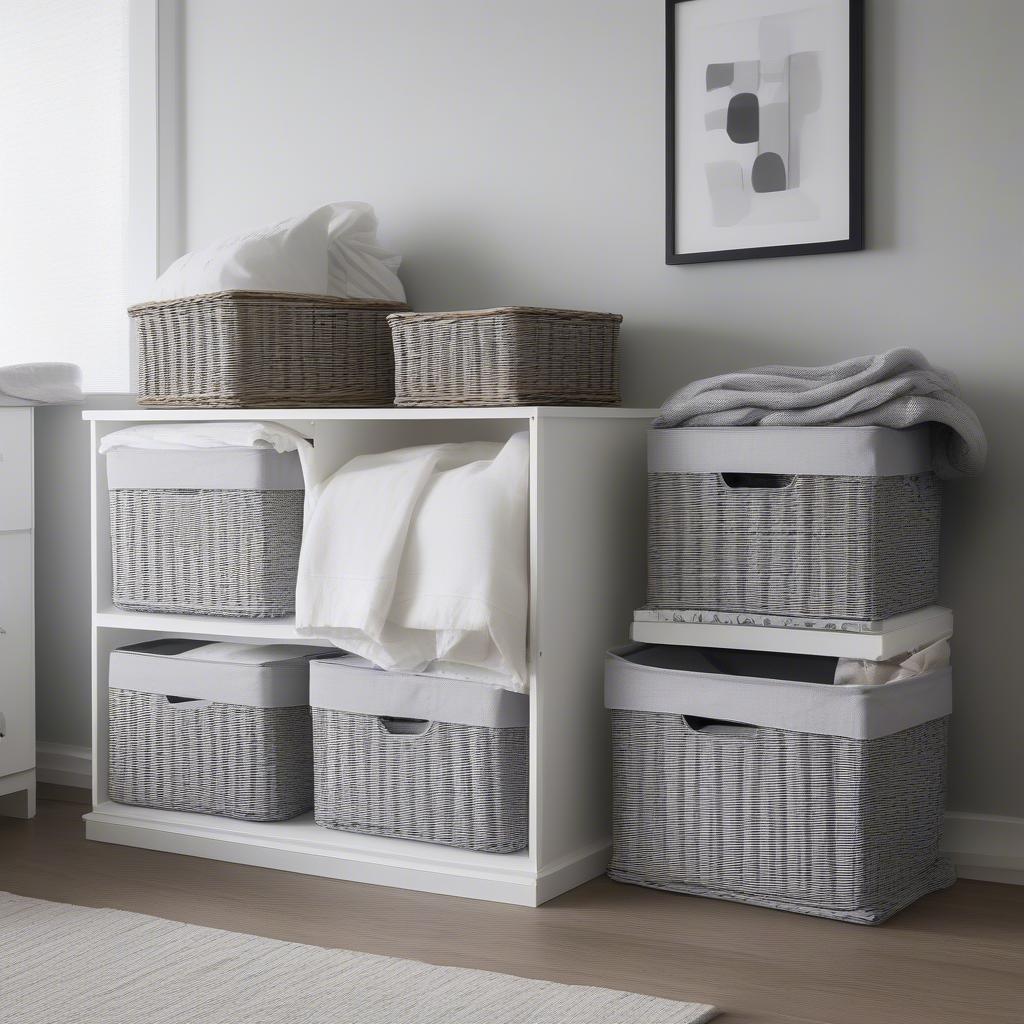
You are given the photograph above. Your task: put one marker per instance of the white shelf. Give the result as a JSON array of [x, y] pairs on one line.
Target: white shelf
[[587, 494], [519, 412], [203, 626], [875, 641]]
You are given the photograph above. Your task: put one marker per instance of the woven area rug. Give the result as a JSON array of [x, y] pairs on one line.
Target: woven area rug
[[74, 965]]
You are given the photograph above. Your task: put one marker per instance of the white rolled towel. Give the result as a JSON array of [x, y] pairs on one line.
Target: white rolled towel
[[49, 383]]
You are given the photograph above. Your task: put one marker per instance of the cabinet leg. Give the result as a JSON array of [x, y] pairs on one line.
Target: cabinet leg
[[21, 803]]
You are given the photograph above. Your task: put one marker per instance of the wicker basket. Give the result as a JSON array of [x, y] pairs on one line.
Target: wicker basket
[[239, 349], [426, 758], [787, 810], [834, 522], [510, 356], [214, 736], [181, 543]]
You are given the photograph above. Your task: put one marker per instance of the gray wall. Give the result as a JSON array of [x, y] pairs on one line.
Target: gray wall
[[514, 154]]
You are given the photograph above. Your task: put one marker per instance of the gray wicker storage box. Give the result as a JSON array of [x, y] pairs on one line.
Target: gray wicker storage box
[[748, 777], [239, 349], [826, 522], [420, 757], [212, 727], [213, 532], [515, 355]]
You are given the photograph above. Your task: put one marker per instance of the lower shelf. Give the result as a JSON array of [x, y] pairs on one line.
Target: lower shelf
[[302, 846]]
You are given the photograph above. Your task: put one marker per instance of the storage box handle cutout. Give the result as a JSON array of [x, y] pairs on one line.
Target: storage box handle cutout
[[757, 481], [187, 703], [405, 728], [741, 732]]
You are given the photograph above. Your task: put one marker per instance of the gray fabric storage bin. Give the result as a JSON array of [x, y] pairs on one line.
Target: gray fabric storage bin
[[213, 728], [749, 777], [213, 532], [420, 757], [827, 522]]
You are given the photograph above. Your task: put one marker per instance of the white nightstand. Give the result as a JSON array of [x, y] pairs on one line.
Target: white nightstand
[[17, 645]]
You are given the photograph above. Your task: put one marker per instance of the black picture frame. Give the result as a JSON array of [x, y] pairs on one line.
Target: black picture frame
[[854, 241]]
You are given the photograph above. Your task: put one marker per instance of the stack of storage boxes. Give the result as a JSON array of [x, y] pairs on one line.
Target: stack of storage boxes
[[750, 774]]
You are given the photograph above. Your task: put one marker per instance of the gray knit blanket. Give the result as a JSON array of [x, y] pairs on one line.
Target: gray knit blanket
[[898, 389]]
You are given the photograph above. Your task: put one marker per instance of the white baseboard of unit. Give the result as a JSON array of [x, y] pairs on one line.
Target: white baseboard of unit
[[986, 847], [60, 764], [302, 846]]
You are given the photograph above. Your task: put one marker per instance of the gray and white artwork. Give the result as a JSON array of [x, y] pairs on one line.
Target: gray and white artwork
[[761, 148], [759, 106]]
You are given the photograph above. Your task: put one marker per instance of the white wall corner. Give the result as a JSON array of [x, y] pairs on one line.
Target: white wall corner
[[986, 846], [60, 764]]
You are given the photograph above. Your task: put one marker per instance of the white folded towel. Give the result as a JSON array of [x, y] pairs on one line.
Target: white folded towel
[[189, 436], [418, 560], [899, 389], [47, 383], [331, 251], [225, 434]]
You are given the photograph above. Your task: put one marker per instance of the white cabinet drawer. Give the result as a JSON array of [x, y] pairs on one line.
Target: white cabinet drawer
[[15, 469], [17, 655]]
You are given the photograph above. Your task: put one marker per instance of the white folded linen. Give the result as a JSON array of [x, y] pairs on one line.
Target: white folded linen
[[854, 672], [898, 389], [46, 383], [191, 436], [219, 437], [417, 560], [332, 250]]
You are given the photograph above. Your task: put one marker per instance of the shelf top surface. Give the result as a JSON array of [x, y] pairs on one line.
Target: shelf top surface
[[519, 412], [209, 625]]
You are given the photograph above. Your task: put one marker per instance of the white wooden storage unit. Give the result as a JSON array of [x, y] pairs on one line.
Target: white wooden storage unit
[[17, 643], [587, 529]]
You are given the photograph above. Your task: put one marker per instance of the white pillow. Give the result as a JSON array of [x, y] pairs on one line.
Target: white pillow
[[331, 251]]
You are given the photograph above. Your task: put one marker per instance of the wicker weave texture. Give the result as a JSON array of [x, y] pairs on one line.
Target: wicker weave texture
[[822, 825], [205, 552], [250, 349], [459, 785], [824, 546], [227, 759], [506, 357]]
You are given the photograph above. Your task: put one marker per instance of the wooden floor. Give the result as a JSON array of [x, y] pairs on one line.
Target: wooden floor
[[955, 957]]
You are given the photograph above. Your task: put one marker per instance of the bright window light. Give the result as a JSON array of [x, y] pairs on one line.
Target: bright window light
[[63, 80]]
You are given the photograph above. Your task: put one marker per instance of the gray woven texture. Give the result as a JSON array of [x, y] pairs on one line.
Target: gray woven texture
[[825, 546], [506, 357], [821, 825], [212, 758], [249, 349], [459, 785], [206, 552]]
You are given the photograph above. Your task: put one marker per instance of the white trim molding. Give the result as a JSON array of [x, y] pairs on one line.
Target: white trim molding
[[60, 764], [154, 200], [987, 847]]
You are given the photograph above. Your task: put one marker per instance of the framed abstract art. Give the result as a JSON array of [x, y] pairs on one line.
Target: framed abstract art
[[765, 128]]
